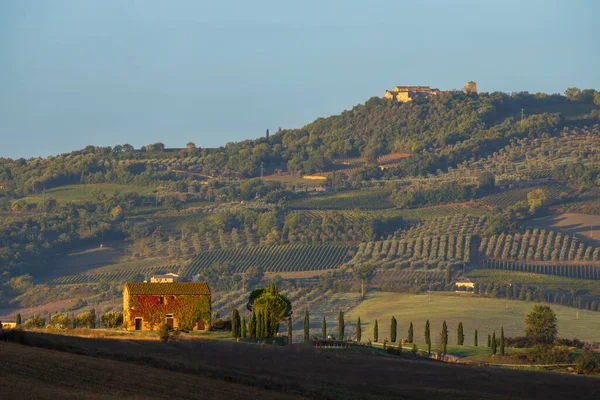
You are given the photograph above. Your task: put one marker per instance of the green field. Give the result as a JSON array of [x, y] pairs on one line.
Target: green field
[[81, 193], [488, 276], [368, 199], [483, 314]]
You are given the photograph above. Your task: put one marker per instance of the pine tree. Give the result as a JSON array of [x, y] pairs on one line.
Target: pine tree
[[502, 342], [475, 339], [358, 330], [494, 343], [252, 326], [489, 341], [324, 328], [18, 320], [393, 328], [427, 332], [244, 332], [306, 327], [411, 333], [375, 332], [289, 330], [341, 326], [444, 337], [460, 335]]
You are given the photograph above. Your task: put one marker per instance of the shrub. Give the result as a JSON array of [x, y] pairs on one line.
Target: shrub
[[112, 319], [35, 322], [587, 363], [546, 354], [166, 333]]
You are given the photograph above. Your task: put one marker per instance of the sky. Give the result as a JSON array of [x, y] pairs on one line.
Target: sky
[[107, 72]]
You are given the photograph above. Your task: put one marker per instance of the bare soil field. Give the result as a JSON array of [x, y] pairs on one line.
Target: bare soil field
[[88, 257], [585, 226], [35, 373], [298, 369]]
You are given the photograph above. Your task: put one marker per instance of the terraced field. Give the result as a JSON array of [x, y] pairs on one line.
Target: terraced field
[[508, 198], [372, 199], [283, 258]]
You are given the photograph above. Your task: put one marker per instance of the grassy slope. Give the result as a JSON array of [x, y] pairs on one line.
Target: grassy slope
[[80, 193], [298, 369], [584, 226], [483, 314]]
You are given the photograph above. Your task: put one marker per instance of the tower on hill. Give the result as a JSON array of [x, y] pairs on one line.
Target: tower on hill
[[470, 87]]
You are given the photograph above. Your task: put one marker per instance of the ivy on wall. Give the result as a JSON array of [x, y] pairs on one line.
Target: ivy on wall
[[187, 309]]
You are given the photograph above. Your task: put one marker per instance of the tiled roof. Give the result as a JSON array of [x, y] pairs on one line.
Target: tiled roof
[[168, 288]]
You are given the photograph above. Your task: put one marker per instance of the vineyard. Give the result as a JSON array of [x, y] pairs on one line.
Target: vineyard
[[283, 258], [459, 224], [370, 199], [112, 275], [508, 198], [408, 277], [450, 248], [578, 271], [538, 245]]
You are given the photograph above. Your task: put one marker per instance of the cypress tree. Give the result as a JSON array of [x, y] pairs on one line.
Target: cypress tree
[[494, 344], [411, 332], [489, 341], [268, 325], [460, 335], [289, 330], [93, 318], [502, 344], [73, 320], [358, 330], [429, 348], [252, 327], [324, 328], [306, 327], [244, 332], [260, 325], [341, 326], [375, 332], [393, 328], [427, 332], [444, 337], [18, 320], [475, 339], [235, 328]]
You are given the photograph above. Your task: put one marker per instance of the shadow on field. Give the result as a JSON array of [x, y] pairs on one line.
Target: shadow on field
[[320, 373]]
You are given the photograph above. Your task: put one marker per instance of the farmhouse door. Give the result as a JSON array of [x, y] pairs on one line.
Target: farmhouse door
[[200, 325], [138, 324], [170, 321]]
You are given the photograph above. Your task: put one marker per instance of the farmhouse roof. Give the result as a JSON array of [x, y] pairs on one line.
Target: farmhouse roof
[[174, 288]]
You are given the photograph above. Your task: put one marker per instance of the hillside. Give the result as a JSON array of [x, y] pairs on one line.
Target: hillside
[[202, 368], [424, 193]]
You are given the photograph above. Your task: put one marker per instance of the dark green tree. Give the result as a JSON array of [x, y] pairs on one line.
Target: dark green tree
[[375, 332], [18, 320], [289, 330], [427, 332], [393, 328], [364, 273], [92, 318], [541, 325], [460, 335], [494, 343], [358, 330], [502, 342], [270, 300], [475, 339], [411, 333], [341, 326], [244, 329], [252, 326], [324, 328], [306, 327], [444, 338], [235, 327], [489, 341]]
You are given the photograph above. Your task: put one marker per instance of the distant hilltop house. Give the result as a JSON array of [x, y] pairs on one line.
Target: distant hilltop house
[[404, 94], [164, 278], [181, 305]]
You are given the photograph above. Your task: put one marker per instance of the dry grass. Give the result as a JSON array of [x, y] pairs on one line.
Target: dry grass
[[584, 226]]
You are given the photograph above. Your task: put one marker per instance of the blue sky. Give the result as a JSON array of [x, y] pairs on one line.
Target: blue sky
[[105, 72]]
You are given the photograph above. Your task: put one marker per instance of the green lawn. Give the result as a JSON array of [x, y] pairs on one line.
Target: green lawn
[[80, 193], [483, 314]]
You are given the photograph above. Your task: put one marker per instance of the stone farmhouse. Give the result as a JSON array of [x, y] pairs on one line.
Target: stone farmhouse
[[404, 94], [181, 305]]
